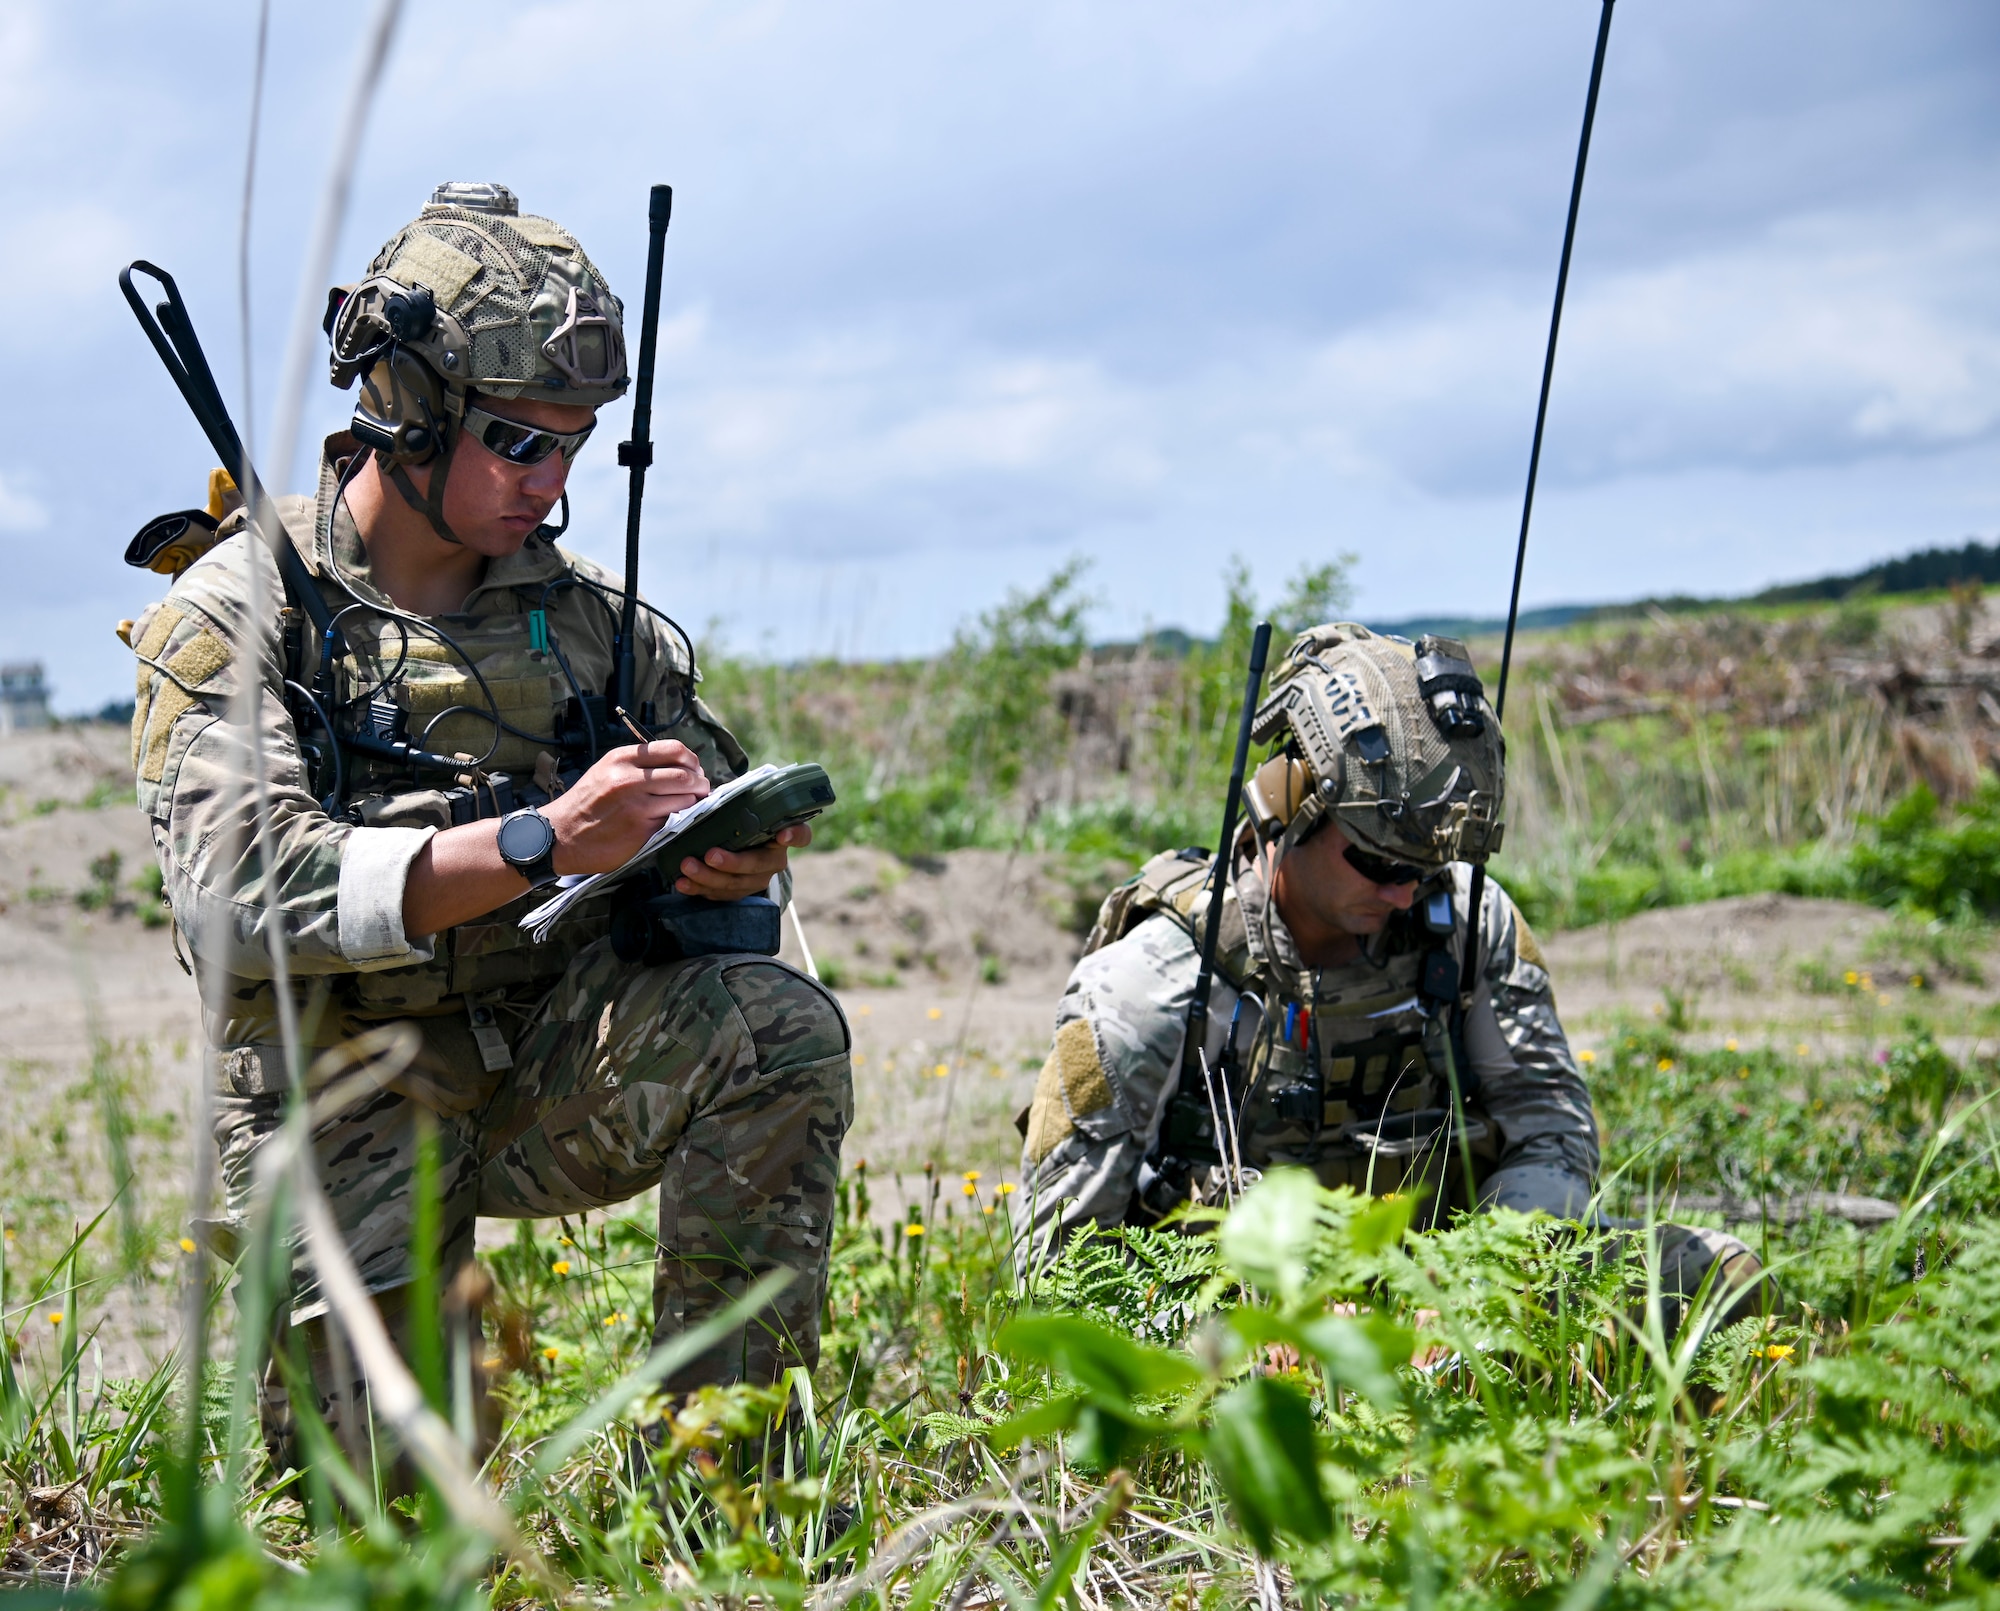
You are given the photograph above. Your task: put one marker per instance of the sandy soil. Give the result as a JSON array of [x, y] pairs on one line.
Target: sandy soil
[[1768, 969], [56, 957], [947, 1053]]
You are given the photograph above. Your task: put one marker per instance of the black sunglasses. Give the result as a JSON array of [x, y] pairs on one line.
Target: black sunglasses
[[522, 444], [1380, 870]]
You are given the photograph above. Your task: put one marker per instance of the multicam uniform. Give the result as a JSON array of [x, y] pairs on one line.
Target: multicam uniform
[[555, 1078], [1379, 1053], [559, 1079]]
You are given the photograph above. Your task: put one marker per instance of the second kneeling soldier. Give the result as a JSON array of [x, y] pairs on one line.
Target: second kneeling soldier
[[1343, 1003]]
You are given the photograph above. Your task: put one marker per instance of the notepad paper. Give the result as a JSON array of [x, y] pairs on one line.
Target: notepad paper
[[579, 886]]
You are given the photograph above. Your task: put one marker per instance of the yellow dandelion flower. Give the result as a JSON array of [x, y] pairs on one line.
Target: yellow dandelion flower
[[566, 1242], [10, 1233], [1804, 1049], [987, 1209], [1853, 978], [913, 1230], [187, 1244], [1730, 1044], [1007, 1188], [934, 1014], [942, 1070], [1664, 1066], [864, 1009], [1774, 1351], [1743, 1073], [1586, 1056], [55, 1317], [859, 1059], [971, 1174], [1882, 999], [971, 1190], [1916, 983], [550, 1352], [560, 1267]]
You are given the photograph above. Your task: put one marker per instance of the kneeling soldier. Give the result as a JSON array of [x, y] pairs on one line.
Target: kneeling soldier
[[555, 1077], [1342, 1003]]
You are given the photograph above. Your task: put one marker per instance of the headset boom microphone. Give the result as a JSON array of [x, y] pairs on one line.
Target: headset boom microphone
[[1470, 962]]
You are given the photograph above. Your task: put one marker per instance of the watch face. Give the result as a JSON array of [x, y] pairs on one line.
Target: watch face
[[526, 839]]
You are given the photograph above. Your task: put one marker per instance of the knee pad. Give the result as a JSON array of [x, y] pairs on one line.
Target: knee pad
[[793, 1019]]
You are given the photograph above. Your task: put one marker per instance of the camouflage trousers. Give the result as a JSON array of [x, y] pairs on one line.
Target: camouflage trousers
[[725, 1081]]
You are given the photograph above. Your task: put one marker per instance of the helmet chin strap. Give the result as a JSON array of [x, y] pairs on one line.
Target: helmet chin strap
[[431, 507]]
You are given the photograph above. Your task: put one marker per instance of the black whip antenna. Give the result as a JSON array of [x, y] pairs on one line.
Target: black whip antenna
[[1478, 891], [1197, 1040], [637, 454]]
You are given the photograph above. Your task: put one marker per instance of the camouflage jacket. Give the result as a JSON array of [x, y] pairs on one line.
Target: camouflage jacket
[[335, 883], [1122, 1020]]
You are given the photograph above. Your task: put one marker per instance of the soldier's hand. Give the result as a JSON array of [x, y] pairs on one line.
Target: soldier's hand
[[603, 818], [729, 875]]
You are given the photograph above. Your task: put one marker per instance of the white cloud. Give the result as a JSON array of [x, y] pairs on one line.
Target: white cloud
[[19, 511], [1822, 340]]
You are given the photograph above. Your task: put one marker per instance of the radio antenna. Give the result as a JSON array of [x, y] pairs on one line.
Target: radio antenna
[[637, 454], [1478, 891]]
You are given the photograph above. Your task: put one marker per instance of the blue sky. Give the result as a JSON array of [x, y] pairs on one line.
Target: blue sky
[[955, 293]]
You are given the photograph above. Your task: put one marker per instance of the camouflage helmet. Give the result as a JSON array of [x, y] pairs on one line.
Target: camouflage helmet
[[1393, 741], [472, 295]]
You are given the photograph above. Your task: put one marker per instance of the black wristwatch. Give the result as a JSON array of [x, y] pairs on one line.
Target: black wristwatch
[[528, 845]]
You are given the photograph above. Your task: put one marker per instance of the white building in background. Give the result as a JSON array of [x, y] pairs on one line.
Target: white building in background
[[24, 697]]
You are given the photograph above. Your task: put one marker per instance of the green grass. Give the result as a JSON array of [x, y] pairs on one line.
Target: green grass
[[1477, 1415]]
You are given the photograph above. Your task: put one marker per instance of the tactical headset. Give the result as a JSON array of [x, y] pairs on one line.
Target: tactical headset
[[404, 350]]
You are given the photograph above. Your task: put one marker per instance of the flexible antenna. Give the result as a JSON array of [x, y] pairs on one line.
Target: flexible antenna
[[1470, 964], [637, 454], [1197, 1040]]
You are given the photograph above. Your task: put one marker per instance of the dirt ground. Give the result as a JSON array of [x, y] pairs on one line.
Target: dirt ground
[[949, 969], [1772, 969]]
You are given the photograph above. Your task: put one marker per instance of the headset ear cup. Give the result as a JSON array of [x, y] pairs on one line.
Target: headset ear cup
[[1276, 791], [403, 412]]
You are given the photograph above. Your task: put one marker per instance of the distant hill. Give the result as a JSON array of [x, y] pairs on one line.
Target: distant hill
[[1922, 572], [1467, 626]]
